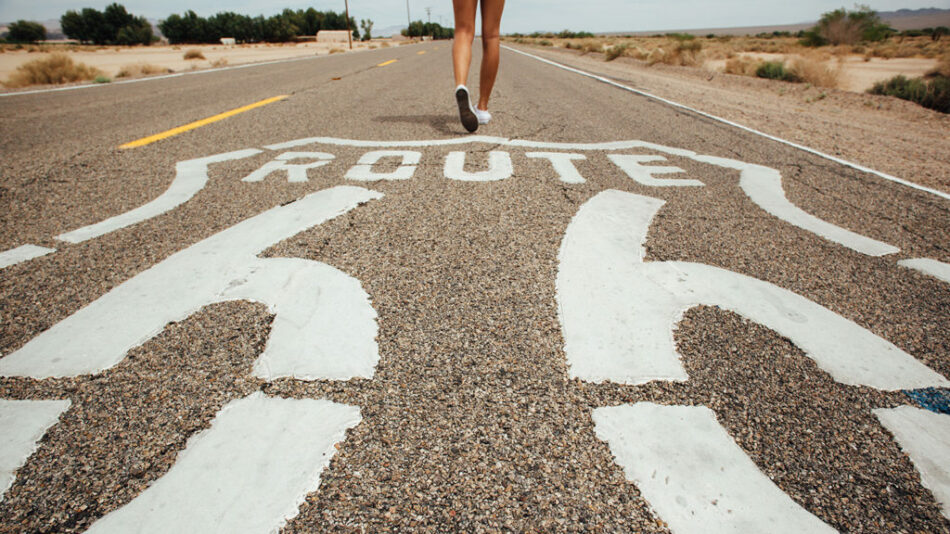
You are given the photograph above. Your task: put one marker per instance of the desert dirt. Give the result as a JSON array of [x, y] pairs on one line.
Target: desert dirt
[[110, 60], [858, 74]]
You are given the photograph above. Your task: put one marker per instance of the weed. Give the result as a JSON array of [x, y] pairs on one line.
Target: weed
[[102, 79], [337, 50], [775, 70], [220, 62], [933, 93], [815, 72], [614, 52], [54, 69], [545, 42], [194, 53], [137, 70], [743, 66]]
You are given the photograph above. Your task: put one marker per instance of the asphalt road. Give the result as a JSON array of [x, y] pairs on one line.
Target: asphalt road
[[486, 315]]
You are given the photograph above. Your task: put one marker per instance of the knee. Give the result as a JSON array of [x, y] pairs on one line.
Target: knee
[[464, 32], [490, 39]]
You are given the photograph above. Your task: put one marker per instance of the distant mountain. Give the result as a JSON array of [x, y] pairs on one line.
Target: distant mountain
[[388, 31], [913, 12]]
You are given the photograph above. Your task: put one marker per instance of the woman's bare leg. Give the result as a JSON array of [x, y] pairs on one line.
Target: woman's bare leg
[[464, 34], [491, 25]]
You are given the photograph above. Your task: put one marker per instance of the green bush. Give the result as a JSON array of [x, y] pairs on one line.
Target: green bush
[[775, 70], [26, 31], [933, 93]]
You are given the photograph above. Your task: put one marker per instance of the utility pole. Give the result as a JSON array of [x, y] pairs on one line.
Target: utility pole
[[408, 18], [429, 14], [349, 31]]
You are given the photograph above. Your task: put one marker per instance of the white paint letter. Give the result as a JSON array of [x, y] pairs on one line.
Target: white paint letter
[[937, 269], [618, 313], [296, 172], [23, 424], [693, 473], [191, 177], [925, 437], [363, 170], [249, 473], [499, 163], [563, 163], [22, 253], [644, 175], [309, 298]]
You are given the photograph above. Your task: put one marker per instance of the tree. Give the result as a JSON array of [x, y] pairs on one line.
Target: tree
[[114, 26], [27, 31], [367, 25], [848, 27]]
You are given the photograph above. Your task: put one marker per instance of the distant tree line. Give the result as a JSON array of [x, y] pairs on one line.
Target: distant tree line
[[418, 28], [190, 28], [113, 26]]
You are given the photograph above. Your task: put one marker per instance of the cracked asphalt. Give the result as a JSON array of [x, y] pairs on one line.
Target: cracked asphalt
[[472, 421]]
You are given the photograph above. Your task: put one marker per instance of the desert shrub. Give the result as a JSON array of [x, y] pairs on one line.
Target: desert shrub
[[194, 53], [614, 52], [102, 79], [815, 72], [53, 69], [933, 93], [743, 66], [223, 61], [676, 55], [775, 70], [545, 42], [842, 26], [136, 70], [338, 50]]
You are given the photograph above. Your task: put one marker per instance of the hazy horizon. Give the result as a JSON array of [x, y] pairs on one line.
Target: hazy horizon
[[523, 16]]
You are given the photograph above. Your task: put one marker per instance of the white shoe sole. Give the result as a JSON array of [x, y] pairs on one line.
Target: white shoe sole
[[466, 113]]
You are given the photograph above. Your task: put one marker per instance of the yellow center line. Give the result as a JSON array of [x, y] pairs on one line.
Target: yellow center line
[[197, 124], [421, 52], [390, 62]]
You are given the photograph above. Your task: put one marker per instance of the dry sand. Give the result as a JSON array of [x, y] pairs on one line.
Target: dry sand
[[857, 73], [111, 60]]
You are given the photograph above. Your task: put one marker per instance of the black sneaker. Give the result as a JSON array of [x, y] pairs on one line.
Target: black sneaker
[[466, 112]]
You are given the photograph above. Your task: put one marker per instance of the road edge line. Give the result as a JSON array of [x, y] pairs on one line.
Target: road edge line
[[804, 148]]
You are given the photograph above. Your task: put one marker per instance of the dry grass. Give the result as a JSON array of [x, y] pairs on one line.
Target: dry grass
[[817, 73], [220, 62], [137, 70], [337, 50], [743, 66], [194, 53], [56, 68]]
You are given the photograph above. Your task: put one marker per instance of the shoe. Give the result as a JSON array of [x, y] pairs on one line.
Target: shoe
[[484, 117], [466, 110]]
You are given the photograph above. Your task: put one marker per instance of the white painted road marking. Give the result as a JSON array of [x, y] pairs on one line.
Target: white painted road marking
[[563, 163], [22, 424], [249, 473], [763, 185], [693, 473], [499, 167], [21, 254], [925, 437], [618, 313], [296, 172], [643, 174], [223, 267], [363, 170], [937, 269], [190, 177]]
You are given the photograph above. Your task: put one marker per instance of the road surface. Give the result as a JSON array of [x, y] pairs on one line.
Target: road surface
[[327, 309]]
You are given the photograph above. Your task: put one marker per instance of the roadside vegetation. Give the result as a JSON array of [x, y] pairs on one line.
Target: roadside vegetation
[[931, 91], [56, 68]]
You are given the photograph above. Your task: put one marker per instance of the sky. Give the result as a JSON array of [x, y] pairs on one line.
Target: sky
[[523, 16]]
